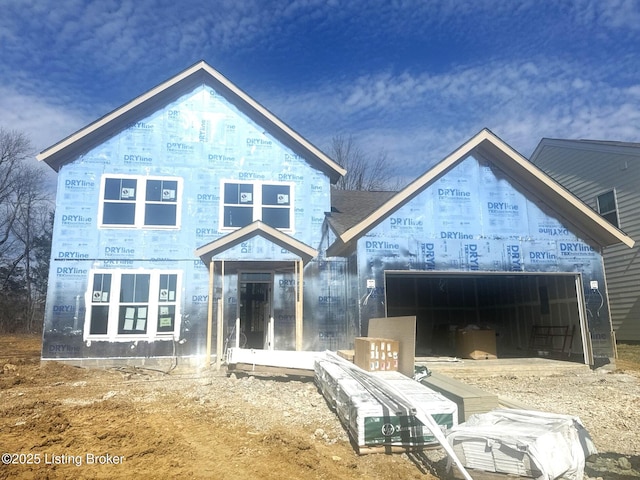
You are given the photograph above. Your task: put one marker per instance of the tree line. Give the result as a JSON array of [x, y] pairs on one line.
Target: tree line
[[26, 222]]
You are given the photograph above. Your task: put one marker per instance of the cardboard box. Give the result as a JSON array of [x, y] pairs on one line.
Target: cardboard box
[[376, 354], [476, 344], [402, 329]]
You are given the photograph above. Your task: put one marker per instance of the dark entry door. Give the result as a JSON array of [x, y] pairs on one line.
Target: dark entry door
[[255, 306]]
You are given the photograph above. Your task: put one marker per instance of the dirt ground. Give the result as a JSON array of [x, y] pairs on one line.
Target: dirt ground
[[58, 421]]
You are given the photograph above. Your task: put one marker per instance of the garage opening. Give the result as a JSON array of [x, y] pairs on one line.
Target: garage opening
[[531, 314]]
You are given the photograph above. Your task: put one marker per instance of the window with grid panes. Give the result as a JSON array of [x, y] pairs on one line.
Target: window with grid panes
[[140, 202], [125, 304], [245, 203]]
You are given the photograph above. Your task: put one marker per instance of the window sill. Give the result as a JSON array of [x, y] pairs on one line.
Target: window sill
[[128, 338], [134, 227]]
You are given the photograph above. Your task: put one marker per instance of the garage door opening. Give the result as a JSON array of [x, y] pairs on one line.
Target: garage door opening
[[532, 314]]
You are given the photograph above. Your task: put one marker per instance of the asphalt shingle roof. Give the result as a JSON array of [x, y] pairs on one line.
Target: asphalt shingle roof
[[350, 207]]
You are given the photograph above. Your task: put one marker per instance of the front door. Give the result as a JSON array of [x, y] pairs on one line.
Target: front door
[[254, 309]]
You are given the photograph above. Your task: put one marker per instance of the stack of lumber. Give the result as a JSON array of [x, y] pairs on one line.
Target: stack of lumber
[[470, 399], [372, 407]]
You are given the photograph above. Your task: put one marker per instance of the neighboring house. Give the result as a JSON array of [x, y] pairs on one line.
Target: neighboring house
[[192, 210], [606, 176]]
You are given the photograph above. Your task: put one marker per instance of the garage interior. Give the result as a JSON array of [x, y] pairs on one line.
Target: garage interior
[[532, 314]]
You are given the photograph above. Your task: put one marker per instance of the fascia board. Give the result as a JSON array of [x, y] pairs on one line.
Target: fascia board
[[520, 168], [257, 228], [413, 188], [559, 197], [266, 115], [108, 118], [274, 120]]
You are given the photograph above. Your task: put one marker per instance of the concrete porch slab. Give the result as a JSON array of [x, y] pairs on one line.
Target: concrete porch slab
[[503, 366]]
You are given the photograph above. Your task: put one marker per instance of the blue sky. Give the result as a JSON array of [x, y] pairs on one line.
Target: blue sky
[[414, 79]]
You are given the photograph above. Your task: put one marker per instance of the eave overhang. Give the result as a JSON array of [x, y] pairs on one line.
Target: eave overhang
[[592, 226], [209, 251], [201, 73]]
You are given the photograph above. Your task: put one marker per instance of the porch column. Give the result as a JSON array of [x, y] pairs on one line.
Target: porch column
[[220, 326], [298, 265], [220, 317], [209, 314]]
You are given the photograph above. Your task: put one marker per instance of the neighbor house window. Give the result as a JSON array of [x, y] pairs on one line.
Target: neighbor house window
[[247, 202], [608, 207], [140, 202], [124, 305]]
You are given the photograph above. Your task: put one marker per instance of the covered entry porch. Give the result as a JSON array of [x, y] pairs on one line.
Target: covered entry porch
[[256, 278]]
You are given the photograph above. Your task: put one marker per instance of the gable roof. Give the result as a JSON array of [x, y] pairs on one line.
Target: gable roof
[[201, 73], [486, 143], [257, 228]]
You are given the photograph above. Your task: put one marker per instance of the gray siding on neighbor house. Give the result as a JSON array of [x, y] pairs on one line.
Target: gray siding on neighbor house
[[589, 169]]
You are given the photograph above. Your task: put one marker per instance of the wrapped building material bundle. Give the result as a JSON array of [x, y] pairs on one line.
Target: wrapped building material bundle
[[526, 443], [374, 419]]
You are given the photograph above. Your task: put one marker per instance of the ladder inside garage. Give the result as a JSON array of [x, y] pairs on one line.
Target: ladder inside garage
[[549, 337]]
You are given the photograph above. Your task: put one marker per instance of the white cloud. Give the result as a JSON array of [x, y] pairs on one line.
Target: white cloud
[[611, 13], [419, 119], [43, 122], [417, 115]]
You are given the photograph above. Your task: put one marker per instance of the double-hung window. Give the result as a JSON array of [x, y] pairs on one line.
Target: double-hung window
[[134, 303], [244, 202], [608, 207], [167, 303], [125, 305], [129, 201], [100, 298]]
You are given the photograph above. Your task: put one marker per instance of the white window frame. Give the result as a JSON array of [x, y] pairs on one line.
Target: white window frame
[[257, 204], [615, 210], [113, 302], [140, 202]]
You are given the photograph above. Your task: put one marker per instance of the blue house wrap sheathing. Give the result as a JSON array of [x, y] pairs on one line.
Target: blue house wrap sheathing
[[192, 217]]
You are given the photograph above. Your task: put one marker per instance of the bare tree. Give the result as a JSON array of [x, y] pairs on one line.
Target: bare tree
[[32, 214], [363, 171], [24, 214], [15, 148]]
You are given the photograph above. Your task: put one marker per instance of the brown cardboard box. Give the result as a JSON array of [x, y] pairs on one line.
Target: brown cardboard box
[[402, 329], [376, 354], [476, 344]]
